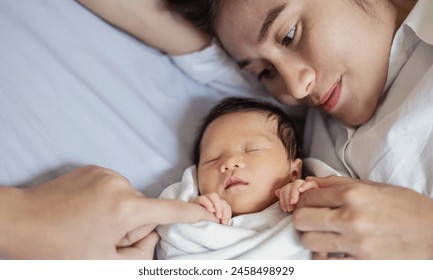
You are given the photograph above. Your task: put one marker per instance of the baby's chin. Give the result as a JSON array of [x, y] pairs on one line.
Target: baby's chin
[[236, 211]]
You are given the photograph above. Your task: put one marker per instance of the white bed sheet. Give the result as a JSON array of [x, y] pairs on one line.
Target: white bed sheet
[[74, 91]]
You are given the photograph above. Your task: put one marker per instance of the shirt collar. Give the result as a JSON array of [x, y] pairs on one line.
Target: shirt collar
[[416, 27], [420, 20]]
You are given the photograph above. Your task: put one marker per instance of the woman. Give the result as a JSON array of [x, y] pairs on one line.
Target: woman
[[367, 67]]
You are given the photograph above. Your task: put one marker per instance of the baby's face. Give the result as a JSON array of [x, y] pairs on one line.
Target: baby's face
[[244, 161]]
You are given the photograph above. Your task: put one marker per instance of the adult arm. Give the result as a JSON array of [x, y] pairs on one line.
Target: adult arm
[[90, 213], [365, 220], [151, 22]]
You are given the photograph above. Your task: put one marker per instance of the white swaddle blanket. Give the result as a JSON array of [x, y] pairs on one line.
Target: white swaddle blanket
[[268, 234]]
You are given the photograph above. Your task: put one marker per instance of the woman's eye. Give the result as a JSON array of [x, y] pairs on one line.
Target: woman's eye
[[264, 74], [267, 74], [289, 37]]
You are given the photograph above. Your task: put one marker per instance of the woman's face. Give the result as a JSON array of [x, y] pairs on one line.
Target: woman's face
[[329, 54]]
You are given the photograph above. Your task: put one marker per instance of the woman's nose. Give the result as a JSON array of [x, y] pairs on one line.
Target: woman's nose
[[298, 78], [231, 163]]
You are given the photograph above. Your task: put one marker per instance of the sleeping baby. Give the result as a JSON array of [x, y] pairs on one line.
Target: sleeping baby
[[247, 173]]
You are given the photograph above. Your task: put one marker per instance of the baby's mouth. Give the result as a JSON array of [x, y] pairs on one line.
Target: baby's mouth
[[234, 181]]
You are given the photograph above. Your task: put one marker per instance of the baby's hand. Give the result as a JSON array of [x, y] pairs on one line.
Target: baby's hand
[[214, 204], [289, 194]]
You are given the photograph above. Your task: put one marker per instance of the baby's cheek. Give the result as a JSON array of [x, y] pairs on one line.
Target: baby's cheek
[[204, 188], [201, 184]]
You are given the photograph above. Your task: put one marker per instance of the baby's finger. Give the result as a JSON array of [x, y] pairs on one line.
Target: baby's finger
[[226, 213], [277, 193], [217, 204], [294, 194], [285, 197]]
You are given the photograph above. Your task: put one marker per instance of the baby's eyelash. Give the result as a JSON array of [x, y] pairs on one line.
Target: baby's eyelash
[[210, 161]]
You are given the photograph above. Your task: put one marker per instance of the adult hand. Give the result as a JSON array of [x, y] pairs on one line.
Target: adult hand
[[365, 220], [90, 213]]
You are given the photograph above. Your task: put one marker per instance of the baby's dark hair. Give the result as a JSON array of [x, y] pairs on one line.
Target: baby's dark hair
[[286, 129]]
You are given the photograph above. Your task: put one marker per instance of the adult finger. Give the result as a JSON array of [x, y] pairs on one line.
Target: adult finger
[[329, 181], [337, 245], [339, 257], [323, 197], [308, 186], [143, 249], [147, 211], [205, 202], [331, 256], [315, 219], [135, 235], [320, 256]]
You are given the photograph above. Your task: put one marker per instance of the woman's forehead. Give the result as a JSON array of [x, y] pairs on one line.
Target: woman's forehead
[[246, 21], [247, 11]]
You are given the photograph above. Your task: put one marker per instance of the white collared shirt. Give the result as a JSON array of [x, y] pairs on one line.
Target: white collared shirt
[[396, 145]]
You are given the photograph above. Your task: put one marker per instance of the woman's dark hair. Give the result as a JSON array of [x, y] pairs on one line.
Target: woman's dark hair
[[201, 13], [286, 128]]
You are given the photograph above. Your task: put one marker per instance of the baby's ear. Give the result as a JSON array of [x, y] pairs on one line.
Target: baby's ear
[[296, 169]]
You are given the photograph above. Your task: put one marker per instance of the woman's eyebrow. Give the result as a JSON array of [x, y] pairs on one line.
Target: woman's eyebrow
[[270, 18]]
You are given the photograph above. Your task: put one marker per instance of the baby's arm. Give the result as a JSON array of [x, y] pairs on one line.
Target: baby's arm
[[289, 194], [214, 204], [151, 22]]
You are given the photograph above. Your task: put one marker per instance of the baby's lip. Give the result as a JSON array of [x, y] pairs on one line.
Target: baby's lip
[[234, 181]]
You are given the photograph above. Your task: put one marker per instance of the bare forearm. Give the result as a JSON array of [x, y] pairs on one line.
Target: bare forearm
[[151, 22], [10, 201], [89, 213]]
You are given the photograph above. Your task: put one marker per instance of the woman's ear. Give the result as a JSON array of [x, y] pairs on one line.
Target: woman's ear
[[296, 169]]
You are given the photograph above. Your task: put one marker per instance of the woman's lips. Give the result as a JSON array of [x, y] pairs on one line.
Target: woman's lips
[[331, 98]]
